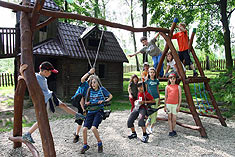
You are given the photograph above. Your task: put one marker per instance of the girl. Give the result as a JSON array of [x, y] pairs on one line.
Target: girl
[[171, 64], [140, 111], [78, 100], [133, 90], [152, 86], [172, 102], [144, 74], [96, 95]]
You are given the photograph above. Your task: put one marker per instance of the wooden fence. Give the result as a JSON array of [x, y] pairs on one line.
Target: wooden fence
[[6, 79], [219, 64]]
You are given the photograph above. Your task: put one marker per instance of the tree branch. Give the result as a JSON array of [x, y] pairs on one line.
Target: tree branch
[[230, 13], [41, 25]]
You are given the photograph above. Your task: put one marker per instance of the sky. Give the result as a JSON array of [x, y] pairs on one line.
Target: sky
[[8, 19]]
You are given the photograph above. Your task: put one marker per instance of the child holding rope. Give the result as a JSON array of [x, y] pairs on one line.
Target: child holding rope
[[172, 102], [51, 101], [182, 39], [140, 111], [96, 95], [78, 100], [152, 86], [133, 90]]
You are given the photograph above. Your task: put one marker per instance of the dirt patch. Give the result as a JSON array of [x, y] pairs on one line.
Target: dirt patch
[[114, 132]]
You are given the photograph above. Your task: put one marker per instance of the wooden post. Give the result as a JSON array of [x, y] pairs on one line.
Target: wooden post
[[18, 110], [33, 86], [166, 48]]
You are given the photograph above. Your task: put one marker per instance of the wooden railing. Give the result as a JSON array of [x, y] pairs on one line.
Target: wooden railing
[[7, 42], [6, 79]]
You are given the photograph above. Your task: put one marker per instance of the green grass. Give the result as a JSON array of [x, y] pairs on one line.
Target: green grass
[[7, 90]]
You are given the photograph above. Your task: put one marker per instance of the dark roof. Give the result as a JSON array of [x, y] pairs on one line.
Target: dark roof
[[70, 45], [48, 4]]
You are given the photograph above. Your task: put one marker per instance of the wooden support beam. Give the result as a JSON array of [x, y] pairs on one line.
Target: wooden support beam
[[31, 147], [165, 50], [33, 86], [35, 13], [197, 79], [43, 24], [181, 124], [18, 110], [58, 14]]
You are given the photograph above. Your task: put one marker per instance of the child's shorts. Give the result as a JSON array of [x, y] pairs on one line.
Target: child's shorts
[[52, 103], [93, 119], [171, 108], [184, 55]]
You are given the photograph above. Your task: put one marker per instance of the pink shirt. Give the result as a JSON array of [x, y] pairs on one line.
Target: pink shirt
[[172, 94]]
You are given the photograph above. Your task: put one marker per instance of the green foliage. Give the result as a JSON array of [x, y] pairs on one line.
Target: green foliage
[[7, 65]]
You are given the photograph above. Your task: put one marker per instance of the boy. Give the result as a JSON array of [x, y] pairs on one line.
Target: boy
[[182, 39], [143, 98], [151, 49], [51, 100], [78, 100]]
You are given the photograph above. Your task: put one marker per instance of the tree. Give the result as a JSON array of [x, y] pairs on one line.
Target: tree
[[213, 17]]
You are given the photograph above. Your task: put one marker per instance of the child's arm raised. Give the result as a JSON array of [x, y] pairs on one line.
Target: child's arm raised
[[84, 77], [134, 54], [157, 35]]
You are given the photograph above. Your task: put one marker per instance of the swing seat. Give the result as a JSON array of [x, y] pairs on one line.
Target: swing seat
[[106, 114]]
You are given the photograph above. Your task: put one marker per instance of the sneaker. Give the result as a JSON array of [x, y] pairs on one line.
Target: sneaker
[[133, 135], [174, 133], [195, 74], [28, 137], [100, 149], [145, 138], [84, 149], [76, 138], [79, 116], [150, 130], [171, 134]]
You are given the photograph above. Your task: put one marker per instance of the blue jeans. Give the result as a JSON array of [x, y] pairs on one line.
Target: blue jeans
[[156, 60]]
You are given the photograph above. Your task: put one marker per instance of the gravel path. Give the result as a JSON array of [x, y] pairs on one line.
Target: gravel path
[[114, 132]]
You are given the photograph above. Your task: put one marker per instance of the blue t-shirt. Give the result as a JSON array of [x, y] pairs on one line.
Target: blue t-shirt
[[42, 81], [98, 95], [152, 87], [82, 89]]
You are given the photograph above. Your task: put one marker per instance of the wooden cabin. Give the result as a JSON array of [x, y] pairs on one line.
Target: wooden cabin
[[61, 44]]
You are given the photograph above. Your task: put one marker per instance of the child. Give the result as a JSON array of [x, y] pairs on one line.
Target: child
[[171, 64], [133, 90], [97, 95], [78, 100], [182, 39], [50, 98], [140, 109], [144, 74], [152, 86], [151, 49], [172, 102]]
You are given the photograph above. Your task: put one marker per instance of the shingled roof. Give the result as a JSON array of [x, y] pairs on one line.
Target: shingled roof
[[69, 44], [48, 4]]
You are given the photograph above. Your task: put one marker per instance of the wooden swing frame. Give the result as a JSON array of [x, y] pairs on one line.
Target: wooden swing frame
[[29, 23]]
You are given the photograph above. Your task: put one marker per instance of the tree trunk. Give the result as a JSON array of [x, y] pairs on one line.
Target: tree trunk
[[227, 40], [207, 63], [133, 36], [145, 56]]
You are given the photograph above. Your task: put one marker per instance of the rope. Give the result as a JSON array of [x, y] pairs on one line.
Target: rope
[[202, 98], [89, 61], [98, 48], [206, 98], [198, 104]]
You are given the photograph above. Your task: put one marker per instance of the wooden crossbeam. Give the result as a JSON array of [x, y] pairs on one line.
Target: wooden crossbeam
[[202, 114]]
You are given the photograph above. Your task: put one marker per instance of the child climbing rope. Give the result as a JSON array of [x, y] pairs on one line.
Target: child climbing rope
[[140, 110], [133, 90], [78, 100], [96, 95], [182, 39], [172, 102], [46, 68], [152, 86], [172, 65]]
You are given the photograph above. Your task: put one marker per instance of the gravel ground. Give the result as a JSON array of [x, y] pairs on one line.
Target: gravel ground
[[114, 132]]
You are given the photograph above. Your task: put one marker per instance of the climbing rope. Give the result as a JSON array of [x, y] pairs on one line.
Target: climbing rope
[[198, 104], [207, 99]]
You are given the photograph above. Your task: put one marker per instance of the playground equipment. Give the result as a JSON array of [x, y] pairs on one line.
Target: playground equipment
[[29, 23]]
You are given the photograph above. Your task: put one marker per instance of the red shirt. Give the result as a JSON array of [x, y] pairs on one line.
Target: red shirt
[[172, 94], [182, 39], [144, 97]]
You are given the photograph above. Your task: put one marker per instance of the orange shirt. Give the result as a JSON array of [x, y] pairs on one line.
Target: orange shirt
[[172, 94], [182, 39], [144, 75]]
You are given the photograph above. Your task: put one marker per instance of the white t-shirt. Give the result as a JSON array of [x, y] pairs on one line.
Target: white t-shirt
[[172, 63]]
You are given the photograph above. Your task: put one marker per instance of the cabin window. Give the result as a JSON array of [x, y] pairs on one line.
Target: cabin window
[[94, 41], [42, 33], [101, 70]]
